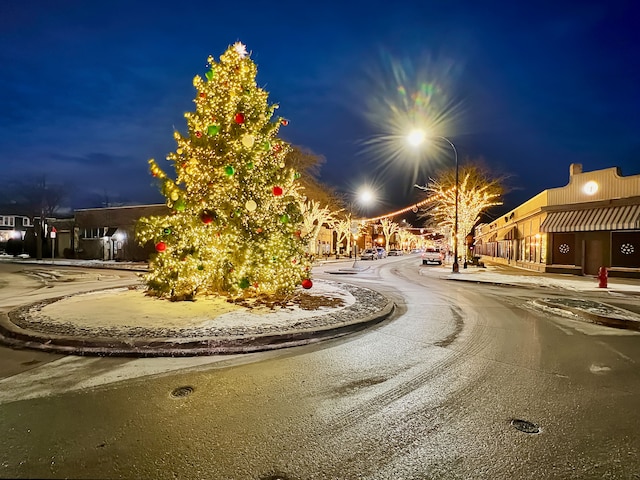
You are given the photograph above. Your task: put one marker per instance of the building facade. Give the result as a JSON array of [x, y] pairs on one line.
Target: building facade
[[13, 228], [109, 233], [592, 222]]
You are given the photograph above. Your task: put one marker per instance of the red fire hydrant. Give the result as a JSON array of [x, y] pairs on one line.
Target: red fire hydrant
[[602, 277]]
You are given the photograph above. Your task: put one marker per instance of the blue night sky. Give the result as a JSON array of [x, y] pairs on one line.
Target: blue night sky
[[91, 90]]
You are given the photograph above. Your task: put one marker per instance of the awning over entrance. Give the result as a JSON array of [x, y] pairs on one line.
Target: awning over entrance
[[610, 218], [510, 234]]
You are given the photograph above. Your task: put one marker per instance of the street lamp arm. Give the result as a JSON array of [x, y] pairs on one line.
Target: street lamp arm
[[456, 266], [455, 151]]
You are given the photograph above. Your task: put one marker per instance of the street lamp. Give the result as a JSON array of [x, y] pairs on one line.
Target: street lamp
[[417, 137], [364, 197]]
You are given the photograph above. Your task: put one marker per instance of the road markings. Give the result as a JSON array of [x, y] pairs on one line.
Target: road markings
[[620, 354]]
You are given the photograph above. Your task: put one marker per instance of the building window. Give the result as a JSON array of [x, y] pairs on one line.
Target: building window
[[88, 233], [26, 222], [7, 221], [563, 249], [625, 249]]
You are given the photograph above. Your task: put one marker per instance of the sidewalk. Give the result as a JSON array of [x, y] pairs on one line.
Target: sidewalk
[[598, 312]]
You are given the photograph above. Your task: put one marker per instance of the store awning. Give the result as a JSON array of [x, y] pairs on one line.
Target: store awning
[[510, 234], [610, 218]]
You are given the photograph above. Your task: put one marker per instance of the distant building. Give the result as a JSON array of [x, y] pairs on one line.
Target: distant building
[[13, 229], [109, 233], [591, 222]]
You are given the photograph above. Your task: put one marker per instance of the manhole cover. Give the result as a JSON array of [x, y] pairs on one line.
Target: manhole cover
[[276, 476], [182, 392], [524, 426]]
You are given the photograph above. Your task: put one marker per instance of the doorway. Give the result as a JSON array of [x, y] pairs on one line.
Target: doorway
[[594, 256]]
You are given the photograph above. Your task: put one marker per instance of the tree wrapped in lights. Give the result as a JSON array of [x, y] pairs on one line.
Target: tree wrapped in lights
[[389, 228], [314, 216], [477, 192], [342, 226], [407, 239], [235, 227]]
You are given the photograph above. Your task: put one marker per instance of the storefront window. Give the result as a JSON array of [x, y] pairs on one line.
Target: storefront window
[[543, 248]]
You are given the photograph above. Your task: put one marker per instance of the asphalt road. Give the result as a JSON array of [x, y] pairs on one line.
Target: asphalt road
[[431, 393]]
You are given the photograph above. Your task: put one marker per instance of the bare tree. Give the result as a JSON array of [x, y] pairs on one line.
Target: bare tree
[[308, 165], [35, 197]]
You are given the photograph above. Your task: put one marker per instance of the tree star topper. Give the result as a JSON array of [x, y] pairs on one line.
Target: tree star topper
[[240, 49]]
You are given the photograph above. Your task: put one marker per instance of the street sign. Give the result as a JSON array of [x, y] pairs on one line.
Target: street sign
[[53, 232]]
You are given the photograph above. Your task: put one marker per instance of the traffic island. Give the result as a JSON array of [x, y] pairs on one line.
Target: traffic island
[[125, 322]]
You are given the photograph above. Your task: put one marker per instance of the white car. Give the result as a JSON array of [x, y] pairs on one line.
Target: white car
[[431, 255], [369, 254]]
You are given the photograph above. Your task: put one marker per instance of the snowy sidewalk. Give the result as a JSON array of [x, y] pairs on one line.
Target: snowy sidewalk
[[598, 312]]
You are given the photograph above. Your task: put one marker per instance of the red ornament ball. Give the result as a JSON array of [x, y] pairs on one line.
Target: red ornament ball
[[277, 191], [198, 134], [285, 122], [206, 218], [161, 247], [203, 95], [239, 118], [307, 283]]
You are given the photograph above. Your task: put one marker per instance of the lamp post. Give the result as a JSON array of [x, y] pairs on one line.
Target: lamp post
[[416, 137]]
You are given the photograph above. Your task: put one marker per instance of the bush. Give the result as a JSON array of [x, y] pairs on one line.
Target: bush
[[14, 246]]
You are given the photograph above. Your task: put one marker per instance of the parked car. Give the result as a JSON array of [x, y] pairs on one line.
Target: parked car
[[431, 255], [395, 252], [369, 254], [382, 253]]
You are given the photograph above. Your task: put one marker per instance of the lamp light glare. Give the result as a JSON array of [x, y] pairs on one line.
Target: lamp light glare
[[416, 137], [366, 196]]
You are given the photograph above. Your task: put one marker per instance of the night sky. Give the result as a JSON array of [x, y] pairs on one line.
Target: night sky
[[91, 90]]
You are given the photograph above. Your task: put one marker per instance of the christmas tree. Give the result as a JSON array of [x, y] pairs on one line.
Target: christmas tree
[[235, 226]]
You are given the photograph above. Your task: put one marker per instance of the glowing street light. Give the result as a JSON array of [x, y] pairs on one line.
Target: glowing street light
[[415, 138], [364, 197]]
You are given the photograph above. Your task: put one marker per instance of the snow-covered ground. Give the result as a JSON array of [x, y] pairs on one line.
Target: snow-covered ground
[[496, 274], [129, 312]]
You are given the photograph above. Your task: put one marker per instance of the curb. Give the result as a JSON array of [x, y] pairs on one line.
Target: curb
[[606, 321], [15, 336]]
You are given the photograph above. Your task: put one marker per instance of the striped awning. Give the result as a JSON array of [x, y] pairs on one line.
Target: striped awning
[[609, 218]]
